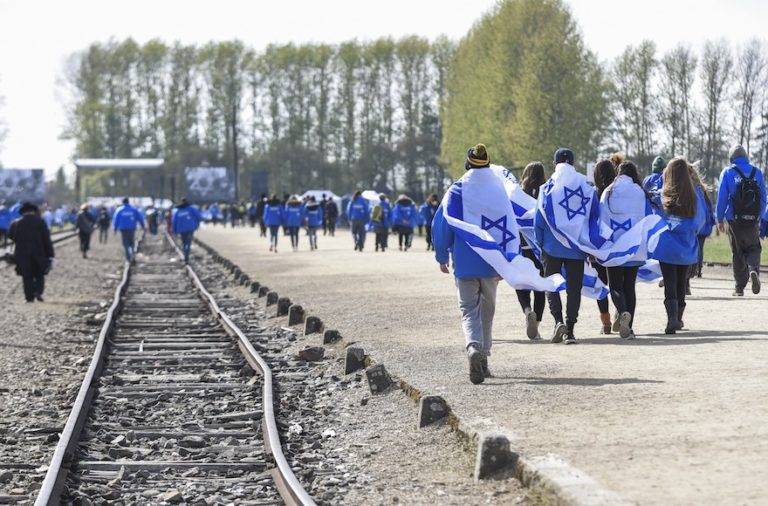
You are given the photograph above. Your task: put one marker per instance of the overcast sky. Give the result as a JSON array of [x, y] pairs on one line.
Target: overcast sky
[[36, 36]]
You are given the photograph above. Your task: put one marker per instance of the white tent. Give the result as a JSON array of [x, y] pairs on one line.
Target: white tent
[[371, 196], [318, 194]]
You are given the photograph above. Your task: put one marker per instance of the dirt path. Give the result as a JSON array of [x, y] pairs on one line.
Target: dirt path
[[661, 420]]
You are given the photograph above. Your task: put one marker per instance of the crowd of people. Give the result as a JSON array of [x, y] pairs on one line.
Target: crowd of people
[[616, 228]]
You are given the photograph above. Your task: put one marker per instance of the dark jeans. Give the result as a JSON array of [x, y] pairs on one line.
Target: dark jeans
[[602, 275], [85, 240], [358, 233], [675, 277], [429, 238], [294, 233], [382, 238], [312, 233], [524, 296], [331, 225], [103, 234], [404, 237], [186, 244], [574, 278], [262, 229], [622, 280], [129, 237], [274, 233], [34, 285], [746, 249], [695, 270]]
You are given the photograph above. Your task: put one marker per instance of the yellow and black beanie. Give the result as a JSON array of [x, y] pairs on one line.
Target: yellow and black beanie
[[477, 157]]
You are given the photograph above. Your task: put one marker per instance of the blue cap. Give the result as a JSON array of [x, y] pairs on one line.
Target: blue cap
[[564, 155]]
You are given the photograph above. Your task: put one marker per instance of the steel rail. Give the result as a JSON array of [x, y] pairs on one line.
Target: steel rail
[[287, 484], [52, 485]]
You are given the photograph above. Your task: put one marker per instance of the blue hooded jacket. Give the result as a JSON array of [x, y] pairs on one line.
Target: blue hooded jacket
[[127, 217], [427, 213], [404, 214], [358, 210], [386, 217], [314, 214], [5, 218], [466, 263], [704, 207], [273, 213], [679, 245], [729, 179], [293, 214], [186, 218]]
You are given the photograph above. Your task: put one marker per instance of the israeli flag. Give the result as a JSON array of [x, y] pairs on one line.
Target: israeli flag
[[479, 212], [569, 206], [524, 207]]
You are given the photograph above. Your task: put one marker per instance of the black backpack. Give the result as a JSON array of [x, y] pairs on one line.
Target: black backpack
[[746, 199]]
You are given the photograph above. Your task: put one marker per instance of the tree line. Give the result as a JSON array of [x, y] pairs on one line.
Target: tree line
[[313, 115], [398, 115]]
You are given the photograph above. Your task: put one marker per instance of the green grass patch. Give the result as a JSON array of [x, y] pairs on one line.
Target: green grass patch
[[717, 249]]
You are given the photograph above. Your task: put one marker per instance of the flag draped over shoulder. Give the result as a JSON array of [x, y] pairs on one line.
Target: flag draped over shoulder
[[568, 203], [479, 212]]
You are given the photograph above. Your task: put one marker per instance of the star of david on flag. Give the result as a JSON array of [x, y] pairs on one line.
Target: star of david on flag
[[621, 225], [581, 202], [500, 224]]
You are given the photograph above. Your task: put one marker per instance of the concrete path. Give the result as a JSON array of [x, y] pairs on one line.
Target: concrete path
[[659, 420]]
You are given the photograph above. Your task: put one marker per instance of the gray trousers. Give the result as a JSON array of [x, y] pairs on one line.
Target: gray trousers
[[746, 249], [477, 302]]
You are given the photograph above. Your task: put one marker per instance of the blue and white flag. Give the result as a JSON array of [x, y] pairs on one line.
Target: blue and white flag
[[569, 205], [524, 207], [479, 212]]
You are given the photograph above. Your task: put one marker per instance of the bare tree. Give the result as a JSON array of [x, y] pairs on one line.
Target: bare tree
[[750, 77], [678, 73], [716, 66]]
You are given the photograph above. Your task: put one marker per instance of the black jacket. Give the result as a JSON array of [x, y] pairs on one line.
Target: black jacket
[[33, 245], [85, 222]]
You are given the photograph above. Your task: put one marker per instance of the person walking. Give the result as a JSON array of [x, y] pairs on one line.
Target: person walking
[[709, 223], [380, 222], [741, 201], [476, 281], [404, 215], [569, 190], [103, 221], [153, 219], [293, 216], [186, 219], [273, 219], [653, 182], [622, 205], [33, 250], [605, 173], [678, 247], [330, 214], [125, 220], [313, 212], [530, 181], [84, 224], [260, 214], [358, 214], [427, 212]]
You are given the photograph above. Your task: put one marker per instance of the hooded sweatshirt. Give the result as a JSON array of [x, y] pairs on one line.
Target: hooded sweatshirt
[[294, 213], [314, 214], [127, 217], [679, 245], [273, 213], [186, 218], [729, 181], [404, 213], [358, 210]]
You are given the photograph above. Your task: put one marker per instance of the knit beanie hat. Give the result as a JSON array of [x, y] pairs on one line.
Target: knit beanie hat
[[658, 165], [477, 157], [737, 151]]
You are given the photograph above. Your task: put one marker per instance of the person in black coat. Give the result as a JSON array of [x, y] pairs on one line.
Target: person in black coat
[[85, 223], [33, 250]]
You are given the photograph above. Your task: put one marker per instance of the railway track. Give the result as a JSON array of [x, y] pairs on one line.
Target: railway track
[[170, 409]]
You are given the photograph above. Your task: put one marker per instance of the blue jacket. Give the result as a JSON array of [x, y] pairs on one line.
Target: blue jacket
[[729, 179], [127, 217], [273, 213], [466, 263], [186, 218], [704, 207], [404, 214], [652, 185], [679, 245], [15, 211], [385, 221], [5, 218], [549, 243], [314, 214], [358, 210], [427, 213], [293, 214]]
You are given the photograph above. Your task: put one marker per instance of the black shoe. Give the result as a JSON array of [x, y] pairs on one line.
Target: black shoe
[[755, 278], [39, 298], [738, 292], [570, 337], [476, 374], [486, 370], [672, 317]]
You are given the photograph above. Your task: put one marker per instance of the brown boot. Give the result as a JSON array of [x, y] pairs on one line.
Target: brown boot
[[605, 318]]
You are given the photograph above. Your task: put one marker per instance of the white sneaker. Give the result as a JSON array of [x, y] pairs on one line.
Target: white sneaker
[[560, 331], [624, 329], [531, 325]]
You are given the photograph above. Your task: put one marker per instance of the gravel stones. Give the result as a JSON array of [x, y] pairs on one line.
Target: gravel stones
[[312, 353]]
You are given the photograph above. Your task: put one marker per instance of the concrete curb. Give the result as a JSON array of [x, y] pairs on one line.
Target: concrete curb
[[550, 475]]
